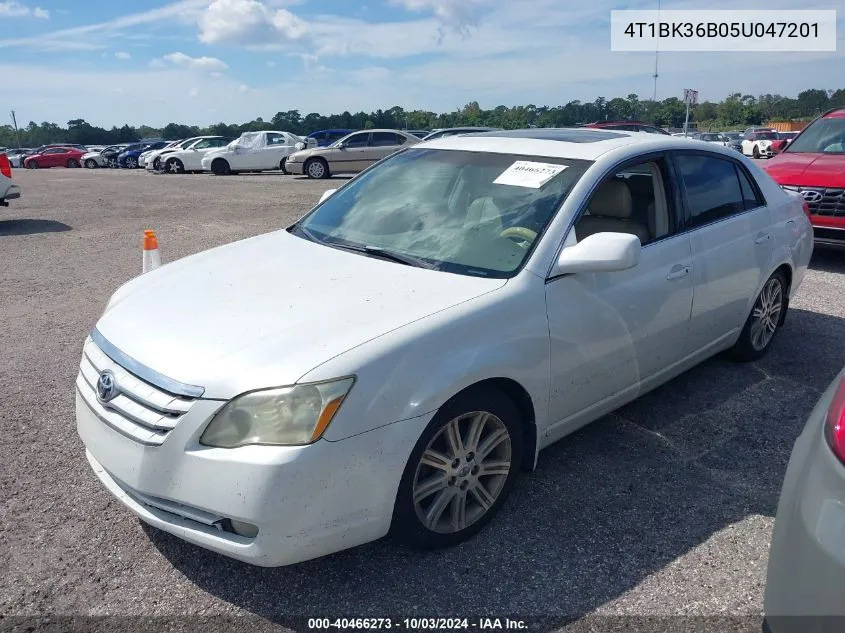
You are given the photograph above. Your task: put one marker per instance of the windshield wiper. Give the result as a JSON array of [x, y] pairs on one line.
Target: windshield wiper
[[375, 251]]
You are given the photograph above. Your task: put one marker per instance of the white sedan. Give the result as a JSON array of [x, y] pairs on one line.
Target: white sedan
[[253, 151], [188, 157], [396, 358]]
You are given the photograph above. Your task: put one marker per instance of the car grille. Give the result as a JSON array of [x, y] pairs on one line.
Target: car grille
[[140, 411], [832, 203]]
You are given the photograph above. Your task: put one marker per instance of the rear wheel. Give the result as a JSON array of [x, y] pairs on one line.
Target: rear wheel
[[220, 167], [765, 320], [755, 152], [73, 163], [317, 168], [175, 166], [90, 163], [460, 471]]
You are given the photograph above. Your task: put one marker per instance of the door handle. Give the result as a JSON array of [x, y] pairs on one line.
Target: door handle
[[790, 221], [678, 272], [763, 238]]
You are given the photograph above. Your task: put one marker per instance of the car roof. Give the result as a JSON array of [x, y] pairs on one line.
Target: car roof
[[835, 113], [576, 143]]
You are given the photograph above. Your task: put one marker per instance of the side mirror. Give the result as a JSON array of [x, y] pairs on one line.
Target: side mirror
[[341, 146], [326, 194], [299, 146], [600, 252]]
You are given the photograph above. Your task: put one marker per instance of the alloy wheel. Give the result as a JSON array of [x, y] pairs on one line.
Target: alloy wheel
[[766, 314], [316, 169], [131, 163], [462, 472], [175, 166]]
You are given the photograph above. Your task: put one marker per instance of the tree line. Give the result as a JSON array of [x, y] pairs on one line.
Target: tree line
[[736, 111]]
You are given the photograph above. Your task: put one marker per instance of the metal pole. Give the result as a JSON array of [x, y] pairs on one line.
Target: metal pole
[[17, 134], [686, 119]]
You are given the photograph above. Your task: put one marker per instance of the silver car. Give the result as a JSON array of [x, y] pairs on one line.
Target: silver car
[[806, 574], [350, 155]]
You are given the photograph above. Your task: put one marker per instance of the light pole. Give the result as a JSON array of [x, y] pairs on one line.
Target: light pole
[[17, 134]]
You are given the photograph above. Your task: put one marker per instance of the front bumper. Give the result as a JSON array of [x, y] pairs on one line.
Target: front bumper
[[806, 573], [828, 230], [295, 168], [305, 501]]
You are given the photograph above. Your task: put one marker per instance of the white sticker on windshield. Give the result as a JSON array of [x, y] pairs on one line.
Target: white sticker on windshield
[[526, 173]]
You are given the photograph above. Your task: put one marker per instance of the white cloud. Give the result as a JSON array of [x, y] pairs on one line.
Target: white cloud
[[14, 9], [122, 55], [457, 14], [181, 11], [248, 22], [195, 63]]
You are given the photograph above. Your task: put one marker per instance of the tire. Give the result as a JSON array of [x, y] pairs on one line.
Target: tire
[[175, 166], [157, 163], [764, 322], [283, 166], [317, 168], [220, 167], [33, 164], [112, 162], [91, 164], [755, 152], [131, 162], [450, 482], [72, 163]]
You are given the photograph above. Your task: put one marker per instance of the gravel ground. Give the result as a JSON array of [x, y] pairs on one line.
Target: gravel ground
[[664, 508]]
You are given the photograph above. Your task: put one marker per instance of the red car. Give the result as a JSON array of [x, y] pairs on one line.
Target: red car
[[55, 157], [813, 164], [627, 126]]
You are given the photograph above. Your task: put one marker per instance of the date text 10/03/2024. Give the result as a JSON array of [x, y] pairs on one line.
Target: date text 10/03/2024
[[416, 624]]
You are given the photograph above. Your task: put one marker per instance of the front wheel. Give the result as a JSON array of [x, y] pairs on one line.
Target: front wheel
[[220, 167], [283, 166], [112, 163], [460, 471], [765, 320], [131, 163], [33, 164], [317, 168], [756, 152], [175, 166], [90, 163]]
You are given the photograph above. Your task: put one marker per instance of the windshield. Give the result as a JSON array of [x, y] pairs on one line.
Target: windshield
[[464, 212], [765, 136], [825, 136]]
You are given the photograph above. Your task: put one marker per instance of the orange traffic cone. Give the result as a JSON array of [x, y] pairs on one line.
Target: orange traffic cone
[[152, 258]]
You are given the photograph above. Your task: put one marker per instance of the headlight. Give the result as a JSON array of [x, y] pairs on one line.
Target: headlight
[[287, 416]]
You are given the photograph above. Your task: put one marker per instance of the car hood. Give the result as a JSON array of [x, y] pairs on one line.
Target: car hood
[[265, 311], [302, 154], [92, 154], [808, 169]]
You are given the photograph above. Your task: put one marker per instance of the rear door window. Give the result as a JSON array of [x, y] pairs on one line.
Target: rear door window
[[712, 188]]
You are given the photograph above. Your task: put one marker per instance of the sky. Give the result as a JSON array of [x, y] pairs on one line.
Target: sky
[[204, 61]]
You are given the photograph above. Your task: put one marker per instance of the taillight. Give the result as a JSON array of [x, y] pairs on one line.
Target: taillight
[[806, 208], [5, 167], [835, 423]]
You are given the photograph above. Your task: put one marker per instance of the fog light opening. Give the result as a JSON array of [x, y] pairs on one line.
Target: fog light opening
[[247, 530]]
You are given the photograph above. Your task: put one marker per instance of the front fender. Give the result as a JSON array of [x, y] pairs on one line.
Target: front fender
[[413, 370]]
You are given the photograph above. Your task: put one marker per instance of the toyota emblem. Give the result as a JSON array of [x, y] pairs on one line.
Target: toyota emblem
[[106, 386], [812, 196]]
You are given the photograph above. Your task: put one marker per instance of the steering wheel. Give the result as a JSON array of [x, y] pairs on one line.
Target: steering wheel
[[519, 234]]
